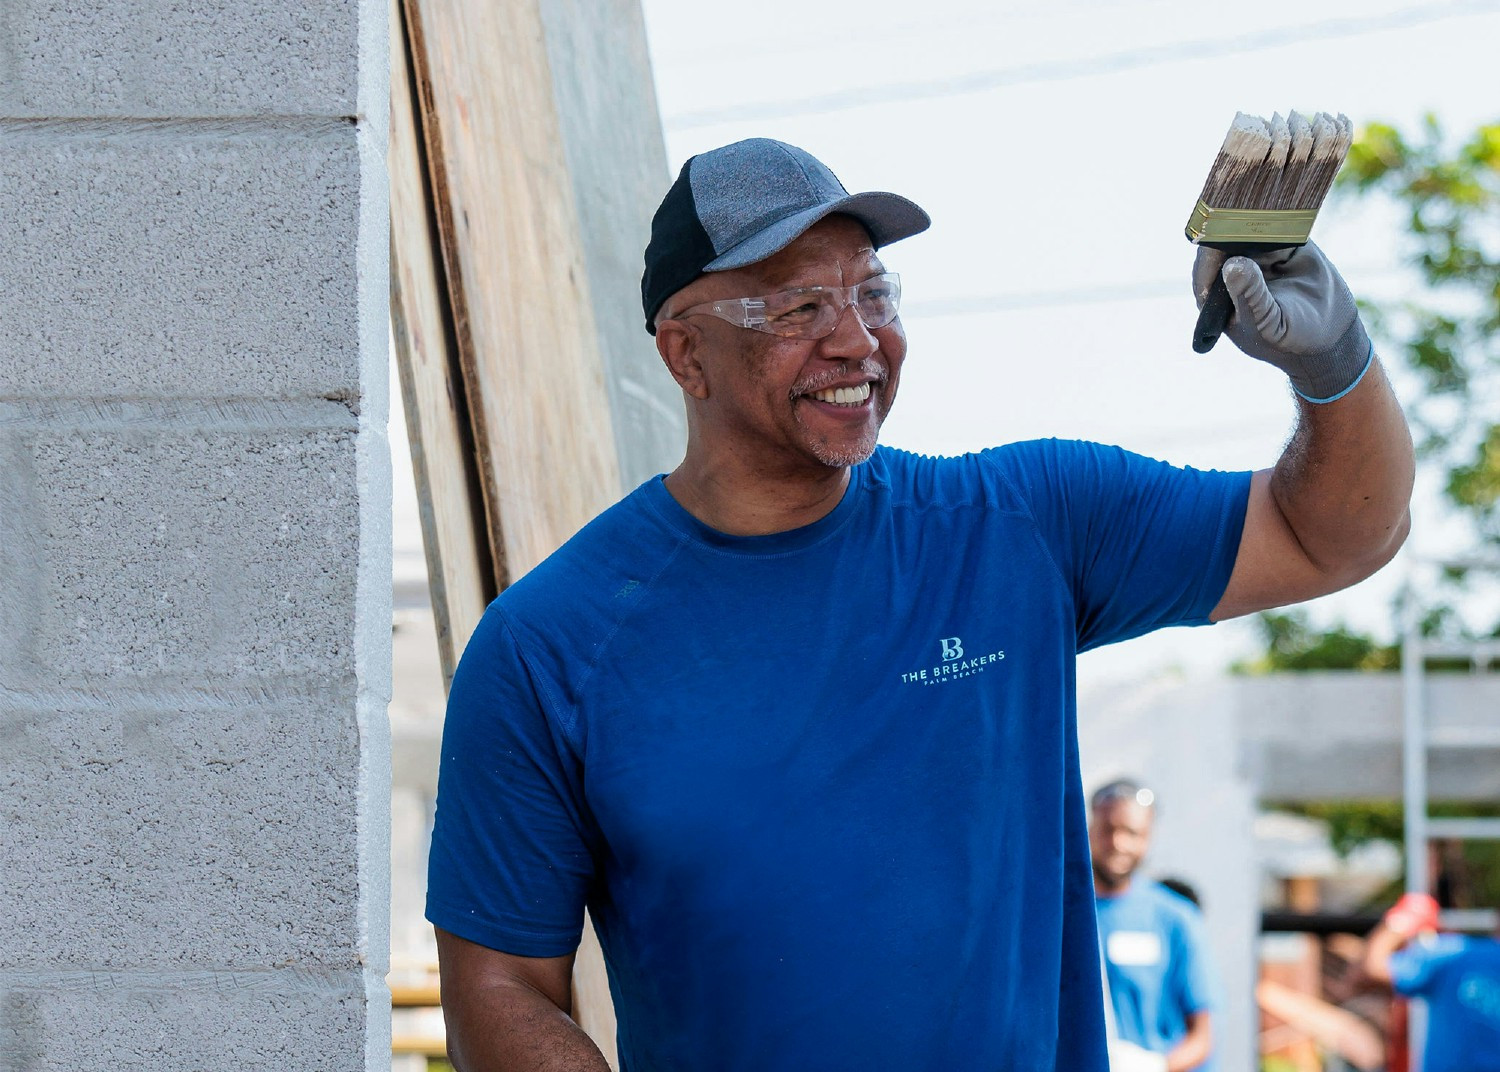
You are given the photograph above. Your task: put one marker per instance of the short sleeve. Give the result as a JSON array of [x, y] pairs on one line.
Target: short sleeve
[[1142, 543], [510, 865], [1415, 968], [1199, 981]]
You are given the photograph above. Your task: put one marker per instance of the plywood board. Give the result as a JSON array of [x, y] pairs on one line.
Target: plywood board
[[460, 574], [516, 273]]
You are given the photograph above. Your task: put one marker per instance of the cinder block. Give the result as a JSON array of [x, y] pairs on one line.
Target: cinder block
[[221, 838], [178, 559], [180, 261], [171, 1031], [165, 58]]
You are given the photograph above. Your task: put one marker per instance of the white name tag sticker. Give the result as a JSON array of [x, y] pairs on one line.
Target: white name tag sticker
[[1134, 949]]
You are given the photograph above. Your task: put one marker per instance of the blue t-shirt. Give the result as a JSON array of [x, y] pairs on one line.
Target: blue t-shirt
[[1460, 979], [1157, 962], [819, 790]]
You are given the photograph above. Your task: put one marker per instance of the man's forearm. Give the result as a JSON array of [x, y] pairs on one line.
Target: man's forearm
[[1344, 482], [517, 1029], [1380, 946], [1195, 1046]]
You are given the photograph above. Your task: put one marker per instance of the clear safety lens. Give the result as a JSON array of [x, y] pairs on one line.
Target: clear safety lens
[[811, 312]]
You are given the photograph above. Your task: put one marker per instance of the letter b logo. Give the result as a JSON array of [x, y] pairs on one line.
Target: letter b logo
[[953, 648]]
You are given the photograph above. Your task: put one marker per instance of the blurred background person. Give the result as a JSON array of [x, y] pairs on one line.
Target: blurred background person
[[1457, 976], [1161, 986]]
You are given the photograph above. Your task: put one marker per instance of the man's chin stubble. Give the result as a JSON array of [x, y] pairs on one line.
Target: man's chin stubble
[[845, 456]]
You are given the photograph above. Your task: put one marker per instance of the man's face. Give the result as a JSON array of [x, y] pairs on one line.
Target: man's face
[[773, 398], [1118, 838]]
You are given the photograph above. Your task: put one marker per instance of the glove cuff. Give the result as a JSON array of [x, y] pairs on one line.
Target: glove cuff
[[1331, 375]]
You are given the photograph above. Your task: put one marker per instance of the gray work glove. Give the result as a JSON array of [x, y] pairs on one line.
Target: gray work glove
[[1293, 310]]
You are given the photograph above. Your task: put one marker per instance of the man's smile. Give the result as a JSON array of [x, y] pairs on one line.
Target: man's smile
[[843, 396]]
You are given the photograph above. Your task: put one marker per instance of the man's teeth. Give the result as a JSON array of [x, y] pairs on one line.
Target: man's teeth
[[843, 396]]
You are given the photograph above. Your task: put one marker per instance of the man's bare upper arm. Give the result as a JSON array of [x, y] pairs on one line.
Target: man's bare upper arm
[[1271, 568], [1333, 510], [469, 970], [511, 1012]]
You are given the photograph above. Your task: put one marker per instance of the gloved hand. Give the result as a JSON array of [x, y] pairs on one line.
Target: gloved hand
[[1128, 1057], [1292, 310], [1413, 914]]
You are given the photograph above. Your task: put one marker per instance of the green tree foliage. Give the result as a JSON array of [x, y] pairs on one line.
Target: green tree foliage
[[1293, 644], [1450, 334]]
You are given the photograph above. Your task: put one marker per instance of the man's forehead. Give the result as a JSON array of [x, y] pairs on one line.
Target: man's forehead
[[1123, 812]]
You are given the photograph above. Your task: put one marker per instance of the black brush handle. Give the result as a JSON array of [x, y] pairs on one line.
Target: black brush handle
[[1216, 309], [1213, 316]]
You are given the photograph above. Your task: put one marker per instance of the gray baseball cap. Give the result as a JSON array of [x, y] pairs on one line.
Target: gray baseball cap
[[741, 203]]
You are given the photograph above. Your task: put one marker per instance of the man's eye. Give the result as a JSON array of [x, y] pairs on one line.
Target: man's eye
[[797, 313]]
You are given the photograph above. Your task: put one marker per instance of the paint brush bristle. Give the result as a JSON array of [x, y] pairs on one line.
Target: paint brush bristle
[[1232, 178], [1331, 137], [1284, 164], [1263, 193]]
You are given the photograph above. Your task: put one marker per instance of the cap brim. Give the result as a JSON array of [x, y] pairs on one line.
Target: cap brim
[[888, 217]]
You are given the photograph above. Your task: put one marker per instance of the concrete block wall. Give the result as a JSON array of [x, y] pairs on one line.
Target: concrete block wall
[[194, 535]]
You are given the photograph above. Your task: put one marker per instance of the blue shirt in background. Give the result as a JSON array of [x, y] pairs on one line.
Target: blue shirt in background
[[1459, 978], [819, 790], [1158, 966]]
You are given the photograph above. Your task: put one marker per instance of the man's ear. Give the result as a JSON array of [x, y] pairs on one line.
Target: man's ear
[[680, 346]]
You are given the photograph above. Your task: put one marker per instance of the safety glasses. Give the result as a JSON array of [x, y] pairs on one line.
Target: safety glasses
[[809, 312]]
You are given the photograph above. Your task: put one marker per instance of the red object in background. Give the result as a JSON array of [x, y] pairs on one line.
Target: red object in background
[[1398, 1037], [1413, 914]]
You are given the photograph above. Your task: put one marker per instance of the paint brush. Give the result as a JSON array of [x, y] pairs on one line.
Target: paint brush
[[1262, 194]]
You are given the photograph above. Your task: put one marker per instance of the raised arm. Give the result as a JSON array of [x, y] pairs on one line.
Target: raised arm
[[1335, 507], [1413, 914], [511, 1014]]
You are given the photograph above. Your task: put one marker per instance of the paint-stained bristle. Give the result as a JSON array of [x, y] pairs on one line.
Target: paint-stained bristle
[[1328, 151], [1299, 130], [1231, 180], [1268, 177], [1269, 180], [1302, 139], [1281, 139]]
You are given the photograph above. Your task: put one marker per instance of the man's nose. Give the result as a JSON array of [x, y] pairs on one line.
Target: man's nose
[[850, 337]]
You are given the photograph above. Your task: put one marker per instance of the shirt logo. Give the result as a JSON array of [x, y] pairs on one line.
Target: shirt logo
[[952, 664]]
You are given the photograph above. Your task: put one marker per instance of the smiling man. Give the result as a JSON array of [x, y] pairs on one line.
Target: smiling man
[[796, 721]]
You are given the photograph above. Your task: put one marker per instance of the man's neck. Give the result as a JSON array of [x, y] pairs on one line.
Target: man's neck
[[755, 504], [1105, 888]]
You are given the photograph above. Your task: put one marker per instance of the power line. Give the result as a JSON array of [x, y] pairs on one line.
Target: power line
[[1087, 67], [1012, 301], [979, 304]]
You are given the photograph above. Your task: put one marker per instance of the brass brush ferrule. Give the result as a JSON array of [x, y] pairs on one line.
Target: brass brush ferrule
[[1265, 226]]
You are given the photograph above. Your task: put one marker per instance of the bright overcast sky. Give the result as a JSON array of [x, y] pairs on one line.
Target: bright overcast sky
[[1059, 149]]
